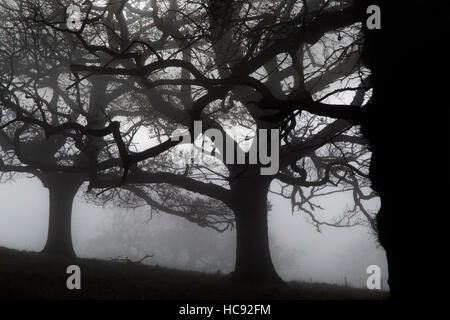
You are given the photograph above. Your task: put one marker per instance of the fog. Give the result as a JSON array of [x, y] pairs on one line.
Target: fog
[[336, 255]]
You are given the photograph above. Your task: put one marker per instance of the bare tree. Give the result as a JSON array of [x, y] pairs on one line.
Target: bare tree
[[36, 102]]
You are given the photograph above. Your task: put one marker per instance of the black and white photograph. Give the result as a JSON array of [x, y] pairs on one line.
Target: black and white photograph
[[219, 150]]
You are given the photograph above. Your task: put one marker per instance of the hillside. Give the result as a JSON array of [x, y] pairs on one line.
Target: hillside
[[27, 275]]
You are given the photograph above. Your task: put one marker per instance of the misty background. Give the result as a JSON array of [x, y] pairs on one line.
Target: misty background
[[336, 255]]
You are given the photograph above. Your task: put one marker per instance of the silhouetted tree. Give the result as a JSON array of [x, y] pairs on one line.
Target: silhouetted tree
[[405, 101], [36, 102]]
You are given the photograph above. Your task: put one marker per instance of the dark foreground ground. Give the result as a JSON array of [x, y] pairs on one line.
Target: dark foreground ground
[[25, 275]]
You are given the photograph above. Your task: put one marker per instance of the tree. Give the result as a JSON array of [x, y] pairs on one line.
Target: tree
[[401, 123], [250, 65], [35, 100]]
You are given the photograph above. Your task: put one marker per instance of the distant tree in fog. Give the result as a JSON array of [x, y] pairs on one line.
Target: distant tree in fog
[[131, 235], [171, 242], [234, 65]]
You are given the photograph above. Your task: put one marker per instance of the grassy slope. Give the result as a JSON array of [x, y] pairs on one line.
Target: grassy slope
[[35, 276]]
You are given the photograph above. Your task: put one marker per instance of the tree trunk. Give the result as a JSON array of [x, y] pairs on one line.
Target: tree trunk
[[402, 95], [62, 190], [253, 260]]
